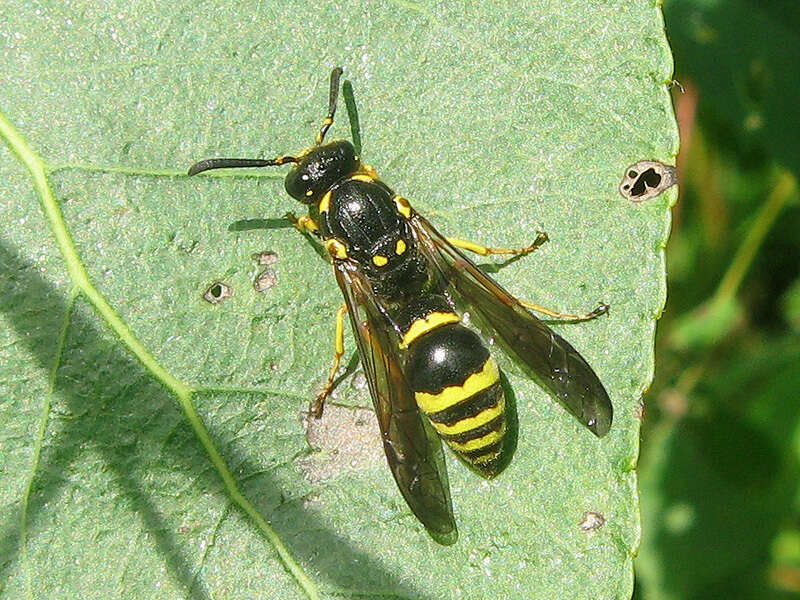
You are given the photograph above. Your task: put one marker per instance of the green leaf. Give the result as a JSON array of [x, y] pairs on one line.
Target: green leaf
[[495, 121]]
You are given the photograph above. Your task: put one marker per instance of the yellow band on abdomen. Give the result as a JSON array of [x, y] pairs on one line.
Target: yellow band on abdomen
[[470, 423], [478, 443], [487, 376], [426, 324]]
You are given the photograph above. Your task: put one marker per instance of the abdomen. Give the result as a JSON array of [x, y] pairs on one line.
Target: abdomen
[[456, 383]]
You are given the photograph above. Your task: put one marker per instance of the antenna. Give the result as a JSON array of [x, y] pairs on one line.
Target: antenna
[[228, 163], [334, 96]]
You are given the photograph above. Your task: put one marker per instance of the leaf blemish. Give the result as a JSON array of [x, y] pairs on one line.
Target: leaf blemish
[[592, 521], [217, 292], [647, 179], [345, 439]]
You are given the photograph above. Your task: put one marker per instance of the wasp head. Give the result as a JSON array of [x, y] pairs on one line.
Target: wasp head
[[319, 168]]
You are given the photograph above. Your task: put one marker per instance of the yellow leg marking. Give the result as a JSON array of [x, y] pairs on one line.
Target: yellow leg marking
[[471, 423], [478, 443], [304, 223], [453, 394], [541, 238], [602, 309], [336, 248], [426, 324], [338, 351]]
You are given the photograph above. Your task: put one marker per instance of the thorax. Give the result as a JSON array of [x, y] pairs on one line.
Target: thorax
[[360, 212]]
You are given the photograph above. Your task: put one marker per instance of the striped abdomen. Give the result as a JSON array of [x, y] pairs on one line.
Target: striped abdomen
[[456, 383]]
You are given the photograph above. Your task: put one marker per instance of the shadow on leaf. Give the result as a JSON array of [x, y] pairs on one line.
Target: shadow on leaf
[[107, 404]]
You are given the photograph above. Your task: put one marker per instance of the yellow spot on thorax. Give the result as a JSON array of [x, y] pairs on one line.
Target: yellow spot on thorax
[[486, 377], [379, 260], [362, 177], [426, 324], [369, 170], [325, 203], [400, 247], [403, 207]]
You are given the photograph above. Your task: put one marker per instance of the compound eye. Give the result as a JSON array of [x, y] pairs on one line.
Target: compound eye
[[298, 184]]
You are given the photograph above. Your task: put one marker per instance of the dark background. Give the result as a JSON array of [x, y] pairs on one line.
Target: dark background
[[721, 435]]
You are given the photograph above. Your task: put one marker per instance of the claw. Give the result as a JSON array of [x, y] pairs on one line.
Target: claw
[[315, 408]]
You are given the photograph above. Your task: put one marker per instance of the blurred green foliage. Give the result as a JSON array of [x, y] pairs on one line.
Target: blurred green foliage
[[721, 437]]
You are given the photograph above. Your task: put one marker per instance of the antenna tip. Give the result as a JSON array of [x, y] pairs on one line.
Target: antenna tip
[[198, 167]]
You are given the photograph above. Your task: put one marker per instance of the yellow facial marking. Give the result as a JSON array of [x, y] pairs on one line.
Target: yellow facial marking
[[400, 247], [403, 207], [454, 394], [379, 260], [421, 326], [362, 177], [471, 423], [481, 442], [325, 203], [336, 248]]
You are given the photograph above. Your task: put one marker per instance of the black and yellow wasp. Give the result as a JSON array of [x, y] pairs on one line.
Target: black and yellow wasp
[[406, 288]]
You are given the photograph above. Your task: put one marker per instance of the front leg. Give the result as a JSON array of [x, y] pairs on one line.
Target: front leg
[[304, 224], [315, 410]]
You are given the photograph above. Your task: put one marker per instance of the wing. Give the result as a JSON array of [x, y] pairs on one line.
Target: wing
[[552, 359], [412, 448]]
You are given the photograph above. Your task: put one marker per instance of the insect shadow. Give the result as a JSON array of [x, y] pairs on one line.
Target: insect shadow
[[120, 413]]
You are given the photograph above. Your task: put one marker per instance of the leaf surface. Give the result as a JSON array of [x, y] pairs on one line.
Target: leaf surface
[[495, 121]]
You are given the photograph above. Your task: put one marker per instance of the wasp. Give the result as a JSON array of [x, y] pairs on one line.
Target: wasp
[[406, 288]]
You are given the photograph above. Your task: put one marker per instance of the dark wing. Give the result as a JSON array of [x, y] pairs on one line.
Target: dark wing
[[413, 449], [552, 359]]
